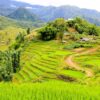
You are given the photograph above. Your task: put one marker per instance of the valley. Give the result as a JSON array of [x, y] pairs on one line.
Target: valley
[[49, 53]]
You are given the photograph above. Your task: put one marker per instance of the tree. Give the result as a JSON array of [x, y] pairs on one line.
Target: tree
[[20, 38], [71, 23], [47, 33], [6, 69], [53, 29], [15, 61], [93, 31], [79, 28], [9, 64], [28, 31]]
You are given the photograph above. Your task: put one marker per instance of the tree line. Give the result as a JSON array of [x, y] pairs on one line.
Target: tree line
[[9, 64], [57, 28]]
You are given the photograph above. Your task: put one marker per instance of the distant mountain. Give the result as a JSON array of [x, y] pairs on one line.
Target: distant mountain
[[23, 14], [48, 13]]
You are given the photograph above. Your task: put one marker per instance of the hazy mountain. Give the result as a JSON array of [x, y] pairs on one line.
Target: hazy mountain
[[49, 13], [23, 14]]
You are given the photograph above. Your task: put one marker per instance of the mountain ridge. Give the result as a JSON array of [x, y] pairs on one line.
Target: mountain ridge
[[49, 13]]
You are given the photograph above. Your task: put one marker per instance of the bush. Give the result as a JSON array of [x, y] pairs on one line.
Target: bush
[[53, 30]]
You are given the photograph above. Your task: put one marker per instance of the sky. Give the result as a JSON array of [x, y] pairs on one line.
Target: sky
[[90, 4]]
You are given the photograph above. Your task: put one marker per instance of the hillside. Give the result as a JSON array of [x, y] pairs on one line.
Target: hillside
[[59, 60], [5, 22], [8, 35]]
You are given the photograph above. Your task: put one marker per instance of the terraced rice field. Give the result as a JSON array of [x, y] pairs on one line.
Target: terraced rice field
[[90, 61], [43, 61]]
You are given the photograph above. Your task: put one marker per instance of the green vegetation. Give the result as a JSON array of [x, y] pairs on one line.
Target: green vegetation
[[6, 22], [53, 30], [9, 64], [52, 90], [39, 67], [82, 26]]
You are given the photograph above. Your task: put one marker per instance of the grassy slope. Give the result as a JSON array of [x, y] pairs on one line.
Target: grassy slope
[[6, 22], [6, 34]]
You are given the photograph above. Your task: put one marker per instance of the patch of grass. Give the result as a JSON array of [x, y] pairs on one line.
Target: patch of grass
[[90, 60], [51, 90], [73, 73]]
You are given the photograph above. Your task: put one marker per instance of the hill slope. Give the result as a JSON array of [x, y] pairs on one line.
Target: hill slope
[[5, 22]]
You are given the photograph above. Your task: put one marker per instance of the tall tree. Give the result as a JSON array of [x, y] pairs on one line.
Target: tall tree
[[28, 31]]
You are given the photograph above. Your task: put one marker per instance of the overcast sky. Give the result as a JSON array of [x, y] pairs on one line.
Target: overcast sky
[[91, 4]]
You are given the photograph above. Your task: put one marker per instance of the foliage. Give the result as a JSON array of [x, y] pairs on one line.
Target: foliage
[[53, 30], [9, 63], [93, 31], [18, 41], [47, 33], [5, 66], [20, 38], [82, 26], [15, 61], [28, 31]]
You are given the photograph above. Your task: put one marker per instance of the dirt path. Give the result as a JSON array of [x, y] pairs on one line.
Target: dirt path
[[70, 62]]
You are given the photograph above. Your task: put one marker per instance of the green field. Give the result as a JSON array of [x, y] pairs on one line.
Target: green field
[[52, 90]]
